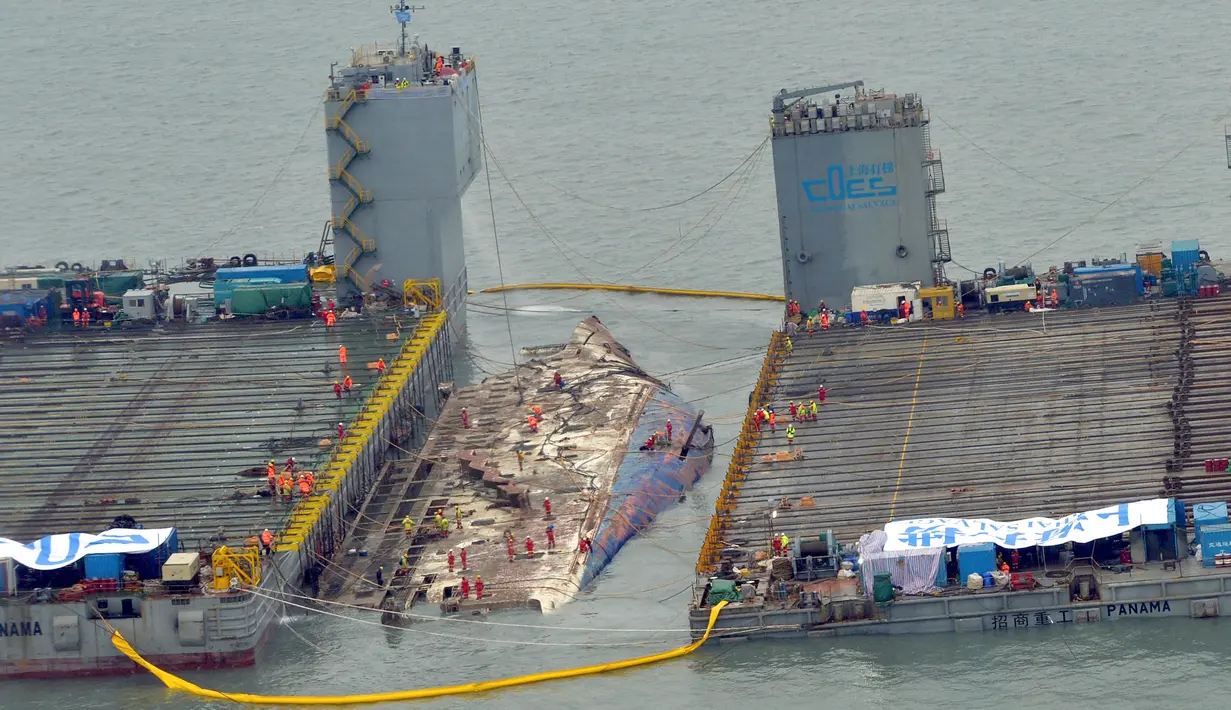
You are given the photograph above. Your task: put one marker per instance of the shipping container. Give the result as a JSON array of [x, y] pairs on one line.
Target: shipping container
[[885, 298], [1185, 254], [223, 289], [254, 300], [107, 566], [1151, 263], [1215, 540], [280, 273], [975, 559]]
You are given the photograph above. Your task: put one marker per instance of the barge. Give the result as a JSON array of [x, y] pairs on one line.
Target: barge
[[143, 406], [1027, 395]]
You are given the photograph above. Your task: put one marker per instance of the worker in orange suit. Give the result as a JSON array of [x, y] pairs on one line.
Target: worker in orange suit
[[478, 587], [533, 423], [330, 319], [76, 318], [961, 310], [824, 320], [271, 472], [380, 366], [267, 539], [509, 541], [311, 479], [305, 488], [85, 317], [347, 384], [342, 354]]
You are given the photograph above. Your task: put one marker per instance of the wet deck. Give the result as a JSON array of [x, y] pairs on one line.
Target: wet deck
[[573, 460], [159, 425], [989, 417]]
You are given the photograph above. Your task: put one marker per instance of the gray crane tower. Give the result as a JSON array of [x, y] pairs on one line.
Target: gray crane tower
[[403, 142], [857, 180]]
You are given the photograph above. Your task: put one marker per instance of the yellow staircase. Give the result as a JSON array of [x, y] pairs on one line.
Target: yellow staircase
[[359, 195]]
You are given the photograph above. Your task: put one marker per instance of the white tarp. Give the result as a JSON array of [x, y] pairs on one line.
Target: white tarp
[[56, 551], [1078, 527]]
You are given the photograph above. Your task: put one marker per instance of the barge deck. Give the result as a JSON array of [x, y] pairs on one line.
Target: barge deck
[[986, 417]]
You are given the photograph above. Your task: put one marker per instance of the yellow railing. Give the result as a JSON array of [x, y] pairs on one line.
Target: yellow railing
[[362, 433], [349, 208], [360, 145], [423, 291], [335, 170], [741, 458], [349, 227], [354, 185], [243, 564]]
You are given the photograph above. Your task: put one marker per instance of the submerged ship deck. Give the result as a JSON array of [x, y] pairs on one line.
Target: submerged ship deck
[[160, 424], [990, 417]]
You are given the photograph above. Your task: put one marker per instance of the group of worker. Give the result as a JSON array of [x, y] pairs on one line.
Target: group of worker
[[658, 439], [780, 545], [1043, 299], [284, 483], [81, 317], [535, 416]]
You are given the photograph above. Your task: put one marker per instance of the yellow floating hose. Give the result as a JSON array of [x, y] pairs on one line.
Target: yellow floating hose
[[633, 289], [176, 683]]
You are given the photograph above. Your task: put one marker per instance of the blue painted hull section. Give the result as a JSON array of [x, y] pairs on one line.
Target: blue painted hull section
[[647, 482]]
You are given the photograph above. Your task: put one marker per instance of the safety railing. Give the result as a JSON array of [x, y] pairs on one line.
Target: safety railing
[[344, 224], [352, 183], [422, 291], [349, 134], [365, 439], [741, 457]]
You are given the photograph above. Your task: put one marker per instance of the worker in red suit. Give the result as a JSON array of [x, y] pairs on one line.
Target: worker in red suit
[[509, 541], [465, 418], [465, 588], [546, 506], [463, 559], [450, 558], [863, 317], [529, 546], [556, 378], [668, 430], [337, 389], [584, 545], [551, 537], [341, 432], [824, 320], [380, 366], [820, 394], [478, 587]]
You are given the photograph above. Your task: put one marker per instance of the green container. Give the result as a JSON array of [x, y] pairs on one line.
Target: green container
[[255, 300], [882, 587], [49, 282], [1170, 288], [117, 283]]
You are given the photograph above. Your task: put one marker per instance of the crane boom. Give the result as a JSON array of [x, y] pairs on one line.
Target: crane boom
[[783, 96]]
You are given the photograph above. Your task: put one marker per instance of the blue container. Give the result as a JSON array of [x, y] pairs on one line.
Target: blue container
[[1215, 540], [852, 318], [1206, 514], [988, 580], [108, 566], [286, 274], [975, 559], [1185, 254]]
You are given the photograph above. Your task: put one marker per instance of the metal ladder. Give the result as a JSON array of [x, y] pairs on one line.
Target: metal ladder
[[359, 195]]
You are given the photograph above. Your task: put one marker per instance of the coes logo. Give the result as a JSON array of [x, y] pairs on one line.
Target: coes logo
[[864, 181]]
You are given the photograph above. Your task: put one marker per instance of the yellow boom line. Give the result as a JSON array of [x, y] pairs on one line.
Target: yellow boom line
[[634, 289], [176, 683]]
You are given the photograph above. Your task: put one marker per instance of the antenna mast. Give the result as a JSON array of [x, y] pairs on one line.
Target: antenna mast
[[401, 12]]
